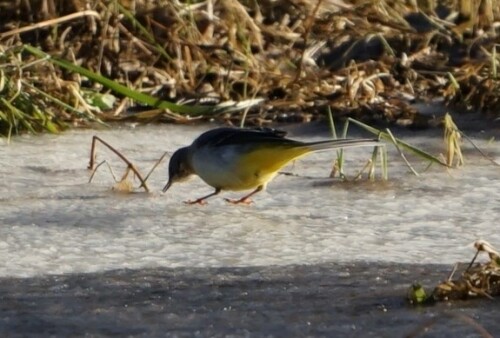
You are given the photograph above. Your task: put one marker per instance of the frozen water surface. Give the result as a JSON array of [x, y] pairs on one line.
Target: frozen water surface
[[312, 257], [53, 221]]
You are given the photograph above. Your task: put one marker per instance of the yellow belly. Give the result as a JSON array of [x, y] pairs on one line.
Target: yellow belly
[[260, 166]]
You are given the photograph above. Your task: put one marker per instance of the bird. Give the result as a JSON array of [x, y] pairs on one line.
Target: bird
[[239, 159]]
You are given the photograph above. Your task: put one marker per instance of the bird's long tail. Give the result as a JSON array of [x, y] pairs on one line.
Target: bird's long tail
[[342, 143]]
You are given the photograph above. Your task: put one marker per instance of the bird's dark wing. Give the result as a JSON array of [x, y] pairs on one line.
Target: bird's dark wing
[[231, 136]]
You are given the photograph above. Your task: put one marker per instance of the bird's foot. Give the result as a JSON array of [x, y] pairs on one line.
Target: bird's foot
[[200, 201], [244, 200]]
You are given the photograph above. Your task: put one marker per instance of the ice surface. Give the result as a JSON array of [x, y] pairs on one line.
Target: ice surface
[[52, 221], [318, 300]]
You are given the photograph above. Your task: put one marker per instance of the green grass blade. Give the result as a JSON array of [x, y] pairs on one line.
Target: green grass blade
[[385, 136], [338, 164], [393, 139], [332, 123], [121, 89], [383, 163]]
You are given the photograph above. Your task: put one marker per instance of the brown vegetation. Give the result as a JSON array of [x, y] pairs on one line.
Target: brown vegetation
[[366, 59]]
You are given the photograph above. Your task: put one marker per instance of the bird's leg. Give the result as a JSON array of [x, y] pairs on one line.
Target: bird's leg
[[245, 199], [201, 200]]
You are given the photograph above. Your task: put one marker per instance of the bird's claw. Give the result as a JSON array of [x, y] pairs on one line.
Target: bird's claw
[[198, 201], [245, 201]]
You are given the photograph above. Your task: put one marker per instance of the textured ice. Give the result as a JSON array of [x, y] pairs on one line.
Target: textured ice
[[52, 221]]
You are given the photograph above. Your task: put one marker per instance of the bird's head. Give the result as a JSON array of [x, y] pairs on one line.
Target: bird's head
[[179, 167]]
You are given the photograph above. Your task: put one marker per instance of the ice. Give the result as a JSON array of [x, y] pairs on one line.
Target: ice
[[52, 221]]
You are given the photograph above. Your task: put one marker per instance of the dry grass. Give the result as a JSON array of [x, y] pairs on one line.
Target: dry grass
[[366, 59], [478, 279], [474, 280]]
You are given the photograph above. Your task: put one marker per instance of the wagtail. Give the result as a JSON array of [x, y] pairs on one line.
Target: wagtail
[[243, 159]]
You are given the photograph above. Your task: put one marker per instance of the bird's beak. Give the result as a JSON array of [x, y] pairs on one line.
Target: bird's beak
[[167, 186]]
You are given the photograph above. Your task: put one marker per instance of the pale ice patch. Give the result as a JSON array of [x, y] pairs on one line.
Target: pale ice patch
[[52, 221]]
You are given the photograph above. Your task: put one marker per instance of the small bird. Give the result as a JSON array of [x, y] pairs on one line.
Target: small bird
[[242, 159]]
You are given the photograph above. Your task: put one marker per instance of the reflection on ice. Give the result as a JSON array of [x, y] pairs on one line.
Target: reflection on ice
[[52, 221]]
